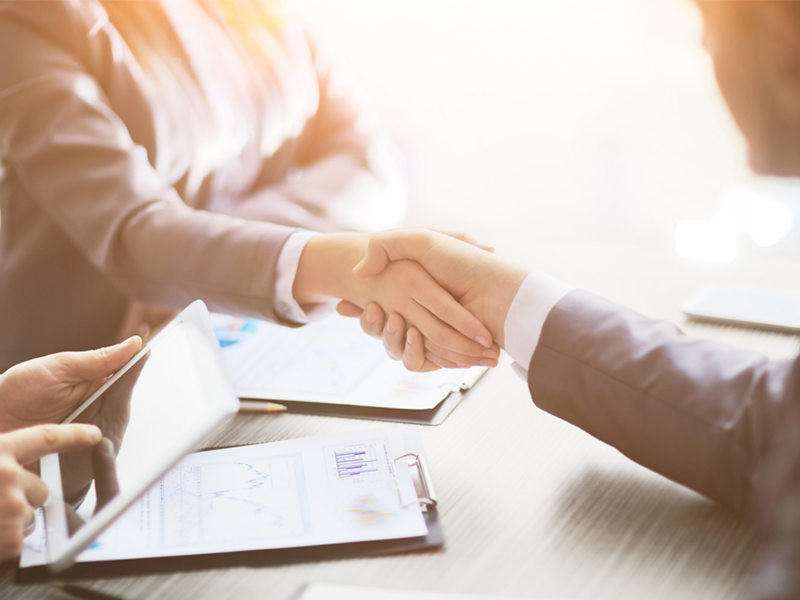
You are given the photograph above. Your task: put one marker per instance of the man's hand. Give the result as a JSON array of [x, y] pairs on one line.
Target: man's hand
[[47, 389], [325, 271], [484, 284], [20, 490]]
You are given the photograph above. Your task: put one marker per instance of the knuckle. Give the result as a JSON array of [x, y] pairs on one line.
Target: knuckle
[[49, 435], [439, 337], [9, 474], [11, 505], [11, 544], [445, 311], [432, 348], [411, 365]]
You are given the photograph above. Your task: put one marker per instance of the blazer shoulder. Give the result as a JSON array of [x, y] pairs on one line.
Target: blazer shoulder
[[68, 23]]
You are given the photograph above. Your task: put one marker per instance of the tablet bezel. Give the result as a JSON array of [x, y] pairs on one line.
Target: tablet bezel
[[221, 401]]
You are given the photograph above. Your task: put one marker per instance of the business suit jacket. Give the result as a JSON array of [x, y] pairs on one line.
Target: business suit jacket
[[722, 421], [165, 174]]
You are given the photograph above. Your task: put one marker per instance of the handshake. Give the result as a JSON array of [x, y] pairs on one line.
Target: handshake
[[436, 299]]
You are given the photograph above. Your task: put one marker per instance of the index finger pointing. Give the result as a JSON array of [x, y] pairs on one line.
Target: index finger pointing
[[31, 443]]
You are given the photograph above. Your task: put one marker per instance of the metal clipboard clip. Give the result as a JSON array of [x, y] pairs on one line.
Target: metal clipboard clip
[[428, 499]]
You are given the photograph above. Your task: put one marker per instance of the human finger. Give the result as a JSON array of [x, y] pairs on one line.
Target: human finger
[[15, 522], [16, 513], [34, 488], [441, 334], [348, 309], [489, 359], [100, 363], [372, 317], [411, 244], [442, 362], [414, 358], [464, 237], [384, 248], [31, 443], [394, 335], [104, 465], [430, 295], [373, 320]]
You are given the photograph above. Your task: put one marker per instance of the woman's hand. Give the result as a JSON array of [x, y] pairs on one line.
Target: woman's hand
[[482, 283], [402, 287], [20, 490], [48, 389]]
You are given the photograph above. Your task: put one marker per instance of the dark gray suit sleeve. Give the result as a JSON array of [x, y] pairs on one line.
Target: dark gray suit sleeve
[[698, 412]]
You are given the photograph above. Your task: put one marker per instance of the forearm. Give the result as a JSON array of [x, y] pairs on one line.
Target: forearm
[[698, 412]]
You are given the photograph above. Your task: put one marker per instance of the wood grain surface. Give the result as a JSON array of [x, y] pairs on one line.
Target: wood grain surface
[[573, 135]]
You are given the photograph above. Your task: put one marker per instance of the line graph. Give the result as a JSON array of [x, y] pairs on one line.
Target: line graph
[[328, 358], [233, 501]]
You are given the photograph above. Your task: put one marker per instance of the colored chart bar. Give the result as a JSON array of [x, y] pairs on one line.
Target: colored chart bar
[[353, 463]]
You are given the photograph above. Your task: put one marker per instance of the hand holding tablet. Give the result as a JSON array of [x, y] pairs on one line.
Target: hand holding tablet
[[20, 490], [153, 411]]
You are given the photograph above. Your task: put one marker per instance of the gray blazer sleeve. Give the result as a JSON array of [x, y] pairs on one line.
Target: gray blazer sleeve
[[701, 413]]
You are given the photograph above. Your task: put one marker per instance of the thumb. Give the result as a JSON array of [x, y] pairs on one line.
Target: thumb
[[374, 261], [385, 247], [411, 244], [96, 364], [31, 443], [464, 237]]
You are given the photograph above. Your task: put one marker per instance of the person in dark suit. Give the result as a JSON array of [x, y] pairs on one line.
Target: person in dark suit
[[720, 420]]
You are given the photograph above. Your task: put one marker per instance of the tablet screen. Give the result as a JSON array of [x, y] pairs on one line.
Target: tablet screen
[[166, 400]]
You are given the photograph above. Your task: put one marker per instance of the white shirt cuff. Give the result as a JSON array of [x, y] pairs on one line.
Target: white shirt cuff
[[536, 297], [285, 305]]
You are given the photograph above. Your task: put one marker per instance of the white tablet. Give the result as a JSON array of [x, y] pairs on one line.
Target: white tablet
[[155, 410], [773, 309]]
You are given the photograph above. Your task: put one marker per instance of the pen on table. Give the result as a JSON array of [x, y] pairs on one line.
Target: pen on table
[[258, 406], [83, 593]]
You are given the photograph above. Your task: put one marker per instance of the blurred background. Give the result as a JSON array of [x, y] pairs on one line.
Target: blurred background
[[581, 137]]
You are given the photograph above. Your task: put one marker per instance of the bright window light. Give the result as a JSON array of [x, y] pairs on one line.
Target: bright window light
[[705, 240], [746, 211]]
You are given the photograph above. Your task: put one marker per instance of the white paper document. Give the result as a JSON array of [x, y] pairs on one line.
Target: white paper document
[[331, 361], [307, 492]]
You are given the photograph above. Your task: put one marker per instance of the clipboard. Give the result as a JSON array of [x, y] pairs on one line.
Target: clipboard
[[431, 416], [424, 500], [332, 368]]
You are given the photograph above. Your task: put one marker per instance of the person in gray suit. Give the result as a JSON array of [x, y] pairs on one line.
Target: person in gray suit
[[720, 420]]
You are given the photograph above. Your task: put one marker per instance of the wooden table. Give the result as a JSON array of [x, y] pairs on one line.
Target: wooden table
[[585, 157], [531, 506]]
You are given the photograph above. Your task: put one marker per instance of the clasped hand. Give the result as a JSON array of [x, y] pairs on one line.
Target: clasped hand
[[469, 278], [401, 287]]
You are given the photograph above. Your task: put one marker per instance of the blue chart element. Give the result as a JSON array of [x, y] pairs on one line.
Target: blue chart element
[[355, 462], [233, 330]]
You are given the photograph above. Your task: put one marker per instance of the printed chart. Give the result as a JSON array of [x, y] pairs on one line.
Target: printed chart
[[358, 463], [330, 361], [233, 501], [232, 330]]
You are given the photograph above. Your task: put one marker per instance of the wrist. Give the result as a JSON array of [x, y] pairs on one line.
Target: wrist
[[499, 296], [324, 270]]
